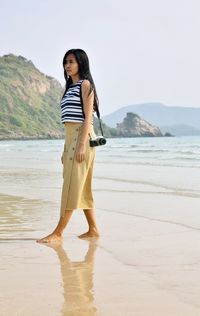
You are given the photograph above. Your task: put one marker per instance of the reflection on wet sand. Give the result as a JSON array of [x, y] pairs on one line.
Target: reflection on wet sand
[[77, 279], [20, 217]]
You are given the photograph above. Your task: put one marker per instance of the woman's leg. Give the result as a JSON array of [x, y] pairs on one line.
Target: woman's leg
[[93, 230], [56, 235]]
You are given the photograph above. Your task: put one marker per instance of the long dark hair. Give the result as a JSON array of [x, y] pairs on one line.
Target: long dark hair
[[84, 72]]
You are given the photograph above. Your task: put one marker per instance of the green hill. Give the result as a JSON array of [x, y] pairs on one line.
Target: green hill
[[29, 101]]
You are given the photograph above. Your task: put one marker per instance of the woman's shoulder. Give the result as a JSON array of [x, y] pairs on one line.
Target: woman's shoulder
[[86, 85]]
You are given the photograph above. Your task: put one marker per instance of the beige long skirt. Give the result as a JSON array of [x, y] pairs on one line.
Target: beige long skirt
[[77, 176]]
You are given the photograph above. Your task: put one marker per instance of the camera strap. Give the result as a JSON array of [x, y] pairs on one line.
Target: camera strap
[[98, 115]]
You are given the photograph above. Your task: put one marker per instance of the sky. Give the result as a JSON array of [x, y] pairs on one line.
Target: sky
[[139, 51]]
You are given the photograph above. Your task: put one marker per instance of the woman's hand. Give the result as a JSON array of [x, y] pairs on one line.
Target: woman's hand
[[80, 152]]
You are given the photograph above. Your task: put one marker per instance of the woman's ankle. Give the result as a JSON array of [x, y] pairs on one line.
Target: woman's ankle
[[57, 232], [93, 229]]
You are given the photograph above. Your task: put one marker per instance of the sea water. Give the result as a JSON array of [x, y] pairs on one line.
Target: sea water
[[167, 163], [165, 151]]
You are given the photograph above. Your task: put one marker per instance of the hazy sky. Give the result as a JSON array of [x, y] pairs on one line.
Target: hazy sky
[[139, 51]]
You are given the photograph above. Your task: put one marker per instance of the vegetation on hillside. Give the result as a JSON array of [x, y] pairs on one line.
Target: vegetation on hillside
[[29, 100]]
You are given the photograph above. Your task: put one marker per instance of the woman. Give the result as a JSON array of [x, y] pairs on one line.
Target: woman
[[78, 103]]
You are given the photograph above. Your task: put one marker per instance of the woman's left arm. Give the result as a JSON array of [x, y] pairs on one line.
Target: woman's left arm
[[88, 100]]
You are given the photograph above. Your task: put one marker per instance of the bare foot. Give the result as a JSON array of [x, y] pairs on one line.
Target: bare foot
[[51, 238], [90, 233]]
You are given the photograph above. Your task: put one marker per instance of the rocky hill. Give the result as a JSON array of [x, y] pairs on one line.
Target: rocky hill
[[29, 101], [133, 126]]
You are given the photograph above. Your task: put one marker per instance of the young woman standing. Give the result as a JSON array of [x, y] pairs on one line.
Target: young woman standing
[[78, 103]]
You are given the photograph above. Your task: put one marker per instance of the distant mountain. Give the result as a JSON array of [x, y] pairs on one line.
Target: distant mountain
[[160, 115], [29, 101], [180, 130]]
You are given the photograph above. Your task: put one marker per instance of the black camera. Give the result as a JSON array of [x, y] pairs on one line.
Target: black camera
[[98, 141]]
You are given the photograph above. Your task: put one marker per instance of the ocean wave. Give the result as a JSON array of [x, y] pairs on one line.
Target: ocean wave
[[6, 145], [181, 158], [176, 193], [146, 151], [150, 183], [155, 163]]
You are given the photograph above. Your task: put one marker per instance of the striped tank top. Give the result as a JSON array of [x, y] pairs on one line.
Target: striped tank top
[[71, 106]]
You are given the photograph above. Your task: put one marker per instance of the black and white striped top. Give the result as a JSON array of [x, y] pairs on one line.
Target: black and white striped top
[[71, 107]]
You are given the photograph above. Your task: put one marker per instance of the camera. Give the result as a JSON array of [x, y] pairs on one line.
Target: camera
[[100, 140]]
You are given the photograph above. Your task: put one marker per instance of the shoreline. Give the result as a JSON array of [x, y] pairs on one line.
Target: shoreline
[[108, 137], [32, 138]]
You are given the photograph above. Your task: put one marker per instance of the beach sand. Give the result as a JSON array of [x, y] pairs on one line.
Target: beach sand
[[146, 262], [143, 264]]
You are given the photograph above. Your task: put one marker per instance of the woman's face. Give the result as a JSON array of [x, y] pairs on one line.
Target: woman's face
[[71, 65]]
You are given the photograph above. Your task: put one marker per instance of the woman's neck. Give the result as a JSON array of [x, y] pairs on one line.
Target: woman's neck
[[75, 79]]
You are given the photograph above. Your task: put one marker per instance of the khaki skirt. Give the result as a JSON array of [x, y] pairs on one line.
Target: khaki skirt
[[77, 176]]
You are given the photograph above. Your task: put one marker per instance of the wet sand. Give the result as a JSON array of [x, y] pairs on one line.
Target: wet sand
[[143, 264]]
